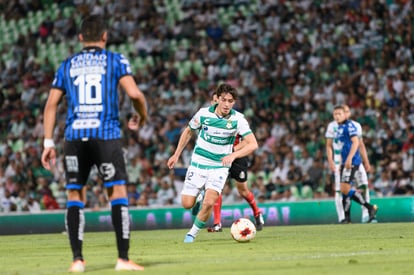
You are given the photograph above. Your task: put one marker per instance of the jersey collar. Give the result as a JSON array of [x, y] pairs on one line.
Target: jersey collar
[[91, 49]]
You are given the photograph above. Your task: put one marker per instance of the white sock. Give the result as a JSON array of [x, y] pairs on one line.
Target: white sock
[[194, 231], [339, 206], [365, 213]]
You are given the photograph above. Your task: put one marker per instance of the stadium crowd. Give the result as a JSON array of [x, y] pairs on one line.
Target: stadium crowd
[[291, 61]]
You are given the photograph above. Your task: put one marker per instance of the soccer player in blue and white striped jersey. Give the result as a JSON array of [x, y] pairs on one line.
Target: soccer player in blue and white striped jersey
[[89, 81], [334, 160], [347, 139]]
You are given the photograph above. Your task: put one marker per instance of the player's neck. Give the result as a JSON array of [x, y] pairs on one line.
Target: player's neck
[[219, 114], [94, 45]]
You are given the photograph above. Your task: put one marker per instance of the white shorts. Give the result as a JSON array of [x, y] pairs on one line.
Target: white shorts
[[196, 178], [361, 177]]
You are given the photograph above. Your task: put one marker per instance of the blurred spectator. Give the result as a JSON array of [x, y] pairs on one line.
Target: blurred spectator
[[166, 194], [134, 169], [383, 184], [33, 205], [292, 61], [21, 201], [133, 194], [6, 203]]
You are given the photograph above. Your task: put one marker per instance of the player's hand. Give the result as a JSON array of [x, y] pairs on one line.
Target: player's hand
[[172, 161], [227, 160], [367, 167], [348, 164], [49, 158], [135, 122], [332, 167]]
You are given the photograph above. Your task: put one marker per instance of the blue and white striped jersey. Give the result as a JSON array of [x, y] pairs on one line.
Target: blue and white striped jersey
[[337, 147], [343, 136], [89, 80]]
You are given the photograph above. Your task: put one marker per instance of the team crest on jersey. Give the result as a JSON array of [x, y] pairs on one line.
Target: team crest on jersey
[[229, 125]]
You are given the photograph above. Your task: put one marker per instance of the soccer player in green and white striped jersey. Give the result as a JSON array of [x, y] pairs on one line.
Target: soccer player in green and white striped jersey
[[213, 154]]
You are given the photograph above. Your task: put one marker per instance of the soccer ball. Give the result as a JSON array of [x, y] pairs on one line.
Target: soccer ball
[[243, 230]]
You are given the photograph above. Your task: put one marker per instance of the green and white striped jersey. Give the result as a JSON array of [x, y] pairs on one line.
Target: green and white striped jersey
[[216, 136]]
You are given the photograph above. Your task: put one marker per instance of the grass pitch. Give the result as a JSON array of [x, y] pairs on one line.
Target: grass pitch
[[386, 248]]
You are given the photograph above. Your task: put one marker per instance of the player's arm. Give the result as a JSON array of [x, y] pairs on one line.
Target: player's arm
[[49, 121], [138, 100], [364, 155], [240, 145], [352, 151], [182, 143], [250, 145], [329, 154]]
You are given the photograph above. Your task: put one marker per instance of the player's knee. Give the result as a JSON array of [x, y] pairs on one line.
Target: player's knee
[[345, 189], [187, 205], [208, 203], [187, 202]]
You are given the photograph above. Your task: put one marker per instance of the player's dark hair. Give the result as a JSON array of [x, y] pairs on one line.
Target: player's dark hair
[[339, 107], [92, 28], [226, 89]]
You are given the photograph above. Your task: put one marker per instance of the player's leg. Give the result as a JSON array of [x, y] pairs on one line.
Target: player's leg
[[238, 172], [215, 180], [361, 178], [120, 220], [193, 185], [198, 202], [77, 167], [346, 206], [111, 167], [347, 177], [217, 216], [339, 204], [75, 225], [249, 197]]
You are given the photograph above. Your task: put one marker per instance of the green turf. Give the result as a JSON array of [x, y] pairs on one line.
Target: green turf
[[323, 249]]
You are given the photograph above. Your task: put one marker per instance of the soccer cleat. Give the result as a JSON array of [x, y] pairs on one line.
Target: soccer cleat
[[123, 265], [259, 222], [197, 205], [77, 266], [215, 228], [345, 221], [189, 238], [372, 212]]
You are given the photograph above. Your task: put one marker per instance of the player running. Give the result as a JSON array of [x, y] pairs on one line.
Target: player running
[[213, 154], [238, 172]]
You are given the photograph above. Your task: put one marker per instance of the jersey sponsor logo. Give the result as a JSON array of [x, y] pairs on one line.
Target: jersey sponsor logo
[[88, 108], [72, 164], [107, 170], [86, 123]]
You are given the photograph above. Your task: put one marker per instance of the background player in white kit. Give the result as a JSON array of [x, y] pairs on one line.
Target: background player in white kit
[[334, 160]]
